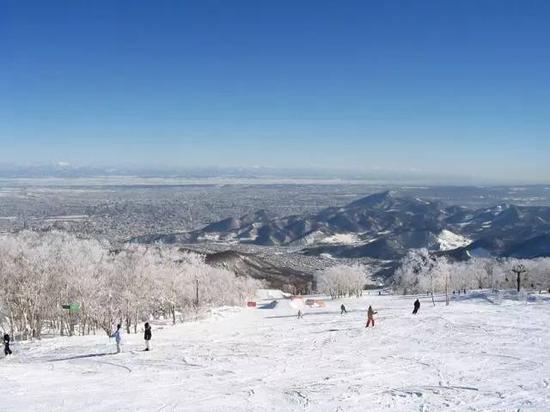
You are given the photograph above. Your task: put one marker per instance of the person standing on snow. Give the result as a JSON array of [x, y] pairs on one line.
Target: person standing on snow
[[343, 309], [147, 335], [118, 337], [370, 316], [300, 314], [416, 306], [6, 341]]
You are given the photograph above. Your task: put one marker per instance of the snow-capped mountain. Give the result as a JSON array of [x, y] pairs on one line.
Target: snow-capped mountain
[[384, 226]]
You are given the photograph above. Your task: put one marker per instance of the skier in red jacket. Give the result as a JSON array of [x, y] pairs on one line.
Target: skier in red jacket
[[370, 317]]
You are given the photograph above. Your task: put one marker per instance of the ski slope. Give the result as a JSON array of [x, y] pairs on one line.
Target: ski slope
[[473, 355]]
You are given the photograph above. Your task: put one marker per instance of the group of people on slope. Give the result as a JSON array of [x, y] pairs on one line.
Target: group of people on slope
[[370, 312], [147, 334], [117, 335]]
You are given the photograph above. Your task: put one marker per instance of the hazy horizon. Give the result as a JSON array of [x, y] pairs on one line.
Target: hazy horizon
[[128, 174]]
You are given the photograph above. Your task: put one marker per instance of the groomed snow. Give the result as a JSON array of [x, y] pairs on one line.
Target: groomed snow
[[473, 355]]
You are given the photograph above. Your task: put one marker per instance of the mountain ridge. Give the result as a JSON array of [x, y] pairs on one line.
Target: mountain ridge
[[384, 226]]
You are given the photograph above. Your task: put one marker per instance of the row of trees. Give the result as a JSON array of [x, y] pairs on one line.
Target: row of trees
[[342, 280], [421, 271], [42, 272]]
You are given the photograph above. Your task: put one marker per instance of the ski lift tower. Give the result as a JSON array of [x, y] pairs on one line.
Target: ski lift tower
[[519, 270]]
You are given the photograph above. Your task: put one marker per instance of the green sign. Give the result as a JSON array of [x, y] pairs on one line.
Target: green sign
[[72, 308]]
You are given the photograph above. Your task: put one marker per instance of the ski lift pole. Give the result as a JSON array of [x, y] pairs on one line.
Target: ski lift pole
[[196, 292], [519, 270]]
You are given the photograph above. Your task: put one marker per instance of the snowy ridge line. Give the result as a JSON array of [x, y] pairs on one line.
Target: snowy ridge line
[[384, 226]]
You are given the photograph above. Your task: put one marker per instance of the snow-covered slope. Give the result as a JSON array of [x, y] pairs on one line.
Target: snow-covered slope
[[344, 238], [448, 240], [473, 356]]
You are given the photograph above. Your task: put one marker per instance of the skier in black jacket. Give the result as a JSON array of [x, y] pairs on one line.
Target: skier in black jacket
[[147, 335], [6, 340], [343, 309], [416, 306]]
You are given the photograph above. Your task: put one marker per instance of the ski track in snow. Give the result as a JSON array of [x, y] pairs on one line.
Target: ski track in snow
[[471, 356]]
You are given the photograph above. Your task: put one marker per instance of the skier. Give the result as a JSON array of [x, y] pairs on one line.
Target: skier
[[147, 335], [118, 337], [6, 340], [370, 316], [300, 315], [416, 306], [343, 309]]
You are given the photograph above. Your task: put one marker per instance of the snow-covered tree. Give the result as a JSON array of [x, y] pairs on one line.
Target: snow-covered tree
[[420, 271], [40, 273], [416, 273], [342, 280]]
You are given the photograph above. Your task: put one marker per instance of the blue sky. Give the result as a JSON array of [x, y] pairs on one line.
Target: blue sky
[[442, 87]]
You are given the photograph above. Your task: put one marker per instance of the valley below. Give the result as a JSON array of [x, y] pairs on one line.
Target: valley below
[[289, 231]]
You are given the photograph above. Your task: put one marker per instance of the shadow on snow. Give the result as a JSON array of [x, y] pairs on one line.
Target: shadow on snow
[[89, 355]]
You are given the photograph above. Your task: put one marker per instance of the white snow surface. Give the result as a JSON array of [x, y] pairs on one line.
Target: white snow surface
[[449, 240], [342, 238], [270, 294], [473, 355]]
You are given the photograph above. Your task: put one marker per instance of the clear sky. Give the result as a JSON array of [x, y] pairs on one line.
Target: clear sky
[[444, 87]]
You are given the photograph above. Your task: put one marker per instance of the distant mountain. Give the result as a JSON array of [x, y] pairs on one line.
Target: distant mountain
[[384, 226], [536, 247]]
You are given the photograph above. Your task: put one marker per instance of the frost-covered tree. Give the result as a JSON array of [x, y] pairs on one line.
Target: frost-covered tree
[[416, 274], [419, 272], [40, 273], [342, 280]]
